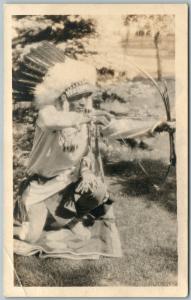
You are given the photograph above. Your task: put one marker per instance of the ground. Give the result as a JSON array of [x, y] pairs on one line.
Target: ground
[[148, 230], [146, 219]]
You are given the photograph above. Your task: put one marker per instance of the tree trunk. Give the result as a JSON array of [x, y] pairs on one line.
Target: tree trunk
[[159, 67]]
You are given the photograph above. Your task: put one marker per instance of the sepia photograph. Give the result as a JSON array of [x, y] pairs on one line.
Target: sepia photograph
[[96, 156]]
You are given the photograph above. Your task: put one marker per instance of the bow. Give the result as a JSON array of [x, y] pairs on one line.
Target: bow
[[165, 99]]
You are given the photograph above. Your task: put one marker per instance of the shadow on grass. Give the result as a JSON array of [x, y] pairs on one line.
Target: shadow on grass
[[128, 178], [57, 272]]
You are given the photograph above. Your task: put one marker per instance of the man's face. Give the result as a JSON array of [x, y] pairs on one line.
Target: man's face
[[78, 105]]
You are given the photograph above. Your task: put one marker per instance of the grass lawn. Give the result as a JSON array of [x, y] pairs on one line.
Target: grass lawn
[[148, 230]]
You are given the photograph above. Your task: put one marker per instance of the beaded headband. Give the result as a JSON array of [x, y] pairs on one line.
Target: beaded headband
[[78, 90]]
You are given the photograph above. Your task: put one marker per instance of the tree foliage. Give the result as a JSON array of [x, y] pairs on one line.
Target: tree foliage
[[150, 24], [55, 28]]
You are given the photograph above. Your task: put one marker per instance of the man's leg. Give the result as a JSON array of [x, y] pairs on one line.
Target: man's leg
[[84, 204], [32, 229], [38, 200]]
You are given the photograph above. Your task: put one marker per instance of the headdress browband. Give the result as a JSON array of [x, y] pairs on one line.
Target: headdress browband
[[78, 89]]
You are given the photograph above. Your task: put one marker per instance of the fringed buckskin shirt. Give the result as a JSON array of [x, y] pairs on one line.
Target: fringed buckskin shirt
[[57, 150], [54, 151]]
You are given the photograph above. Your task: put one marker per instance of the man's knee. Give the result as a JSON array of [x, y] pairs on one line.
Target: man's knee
[[32, 229], [27, 234]]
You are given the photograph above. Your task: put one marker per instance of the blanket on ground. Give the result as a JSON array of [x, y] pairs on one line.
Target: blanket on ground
[[63, 243]]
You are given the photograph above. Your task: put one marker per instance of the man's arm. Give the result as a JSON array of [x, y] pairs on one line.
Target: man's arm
[[127, 128], [49, 117]]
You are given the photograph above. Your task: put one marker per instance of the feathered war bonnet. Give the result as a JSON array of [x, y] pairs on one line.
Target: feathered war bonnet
[[74, 78]]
